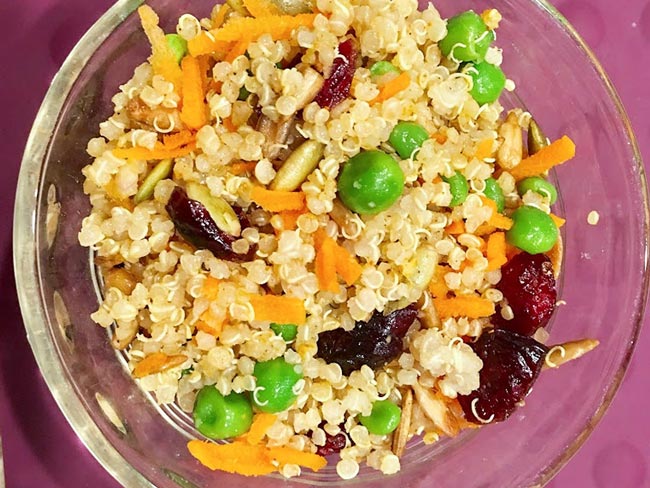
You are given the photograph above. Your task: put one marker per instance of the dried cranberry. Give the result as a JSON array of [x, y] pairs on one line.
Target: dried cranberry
[[337, 85], [194, 223], [374, 343], [333, 444], [511, 364], [528, 283]]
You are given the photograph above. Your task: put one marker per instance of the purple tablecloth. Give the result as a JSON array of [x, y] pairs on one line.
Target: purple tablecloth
[[40, 448]]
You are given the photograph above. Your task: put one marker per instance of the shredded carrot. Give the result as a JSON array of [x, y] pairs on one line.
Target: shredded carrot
[[178, 139], [484, 230], [496, 251], [162, 58], [279, 27], [496, 220], [219, 15], [227, 123], [236, 457], [346, 265], [439, 137], [484, 149], [325, 266], [290, 219], [559, 221], [261, 8], [261, 424], [279, 309], [392, 88], [210, 323], [194, 112], [556, 153], [512, 251], [210, 288], [204, 67], [157, 362], [438, 287], [158, 152], [208, 329], [288, 455], [242, 168], [238, 49], [455, 228], [205, 44], [472, 307], [278, 201]]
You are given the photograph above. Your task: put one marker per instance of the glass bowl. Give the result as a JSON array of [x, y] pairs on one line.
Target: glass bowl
[[605, 279]]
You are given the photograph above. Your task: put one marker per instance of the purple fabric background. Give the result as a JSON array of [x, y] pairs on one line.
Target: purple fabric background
[[41, 450]]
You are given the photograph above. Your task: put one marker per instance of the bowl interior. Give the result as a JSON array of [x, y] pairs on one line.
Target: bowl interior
[[604, 271]]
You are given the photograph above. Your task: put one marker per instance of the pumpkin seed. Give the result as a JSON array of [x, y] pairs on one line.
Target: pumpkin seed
[[222, 213], [298, 166], [158, 173]]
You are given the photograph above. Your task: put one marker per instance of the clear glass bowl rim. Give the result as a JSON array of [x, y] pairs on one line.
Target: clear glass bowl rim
[[26, 262]]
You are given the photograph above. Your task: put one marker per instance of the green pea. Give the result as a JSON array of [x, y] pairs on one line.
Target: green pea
[[383, 419], [370, 182], [467, 39], [243, 93], [494, 192], [538, 185], [489, 82], [276, 381], [178, 45], [458, 187], [407, 137], [221, 417], [380, 68], [287, 331], [532, 230]]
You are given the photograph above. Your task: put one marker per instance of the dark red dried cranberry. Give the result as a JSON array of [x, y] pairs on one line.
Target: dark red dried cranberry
[[528, 283], [333, 444], [374, 343], [337, 85], [511, 364], [194, 223]]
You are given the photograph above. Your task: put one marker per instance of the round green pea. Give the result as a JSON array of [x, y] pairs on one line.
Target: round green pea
[[287, 331], [381, 68], [383, 419], [458, 187], [494, 192], [221, 417], [370, 182], [489, 82], [467, 39], [538, 185], [407, 137], [532, 230], [276, 380], [178, 45]]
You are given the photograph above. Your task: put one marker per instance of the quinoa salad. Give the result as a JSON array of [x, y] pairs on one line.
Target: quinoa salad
[[322, 235]]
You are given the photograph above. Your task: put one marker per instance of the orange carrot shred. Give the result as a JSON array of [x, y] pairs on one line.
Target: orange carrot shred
[[261, 424], [236, 457], [558, 152], [496, 251], [158, 152], [208, 329], [392, 88], [346, 265], [325, 266], [290, 219], [210, 323], [261, 8], [559, 221], [238, 49], [279, 309], [484, 149], [205, 44], [439, 137], [227, 123], [242, 168], [277, 201], [194, 111], [210, 288], [512, 251], [280, 27], [438, 287], [288, 455], [204, 68], [162, 58], [484, 230], [219, 15], [455, 228], [156, 363], [471, 306], [496, 220], [178, 139]]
